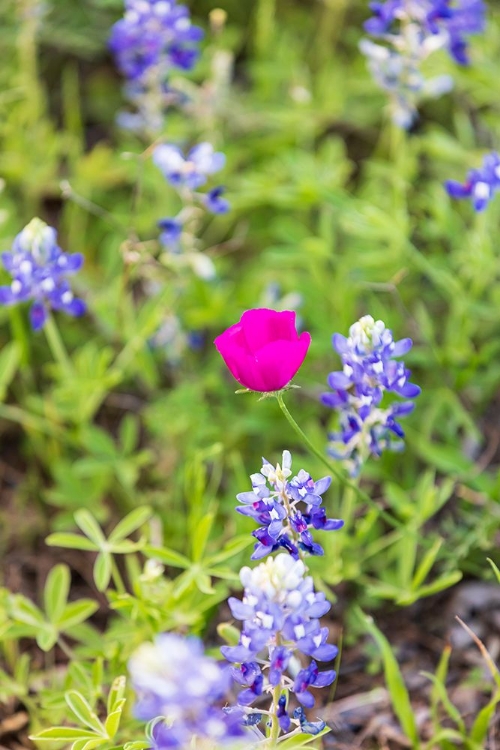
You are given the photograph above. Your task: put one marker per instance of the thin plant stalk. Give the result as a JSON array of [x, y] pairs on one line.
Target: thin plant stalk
[[57, 347], [333, 469]]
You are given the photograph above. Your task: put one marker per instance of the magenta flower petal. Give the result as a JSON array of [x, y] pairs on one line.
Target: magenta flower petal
[[262, 326], [263, 351]]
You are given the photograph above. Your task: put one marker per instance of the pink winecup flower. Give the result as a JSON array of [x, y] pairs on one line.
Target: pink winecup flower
[[263, 351]]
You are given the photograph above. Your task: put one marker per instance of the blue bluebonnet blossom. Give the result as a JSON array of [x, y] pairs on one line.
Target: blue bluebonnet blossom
[[39, 268], [280, 611], [214, 201], [187, 174], [480, 185], [153, 38], [287, 508], [171, 233], [369, 370], [178, 687], [410, 31]]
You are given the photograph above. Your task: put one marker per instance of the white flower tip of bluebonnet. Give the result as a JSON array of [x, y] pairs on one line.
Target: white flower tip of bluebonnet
[[278, 474], [367, 333], [168, 158], [36, 238], [276, 577], [162, 8]]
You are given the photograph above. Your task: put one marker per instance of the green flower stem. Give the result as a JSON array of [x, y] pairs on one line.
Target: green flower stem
[[275, 725], [338, 474], [57, 347], [19, 333], [305, 439]]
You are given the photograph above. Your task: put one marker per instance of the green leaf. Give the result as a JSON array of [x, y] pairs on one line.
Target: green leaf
[[232, 549], [10, 356], [47, 638], [128, 433], [228, 633], [481, 724], [89, 744], [71, 541], [125, 547], [394, 680], [116, 693], [62, 734], [56, 591], [102, 570], [97, 674], [83, 711], [301, 740], [23, 610], [226, 574], [167, 556], [77, 612], [203, 582], [98, 442], [130, 523], [113, 719], [200, 536], [426, 564], [450, 709], [90, 527], [495, 569], [440, 584]]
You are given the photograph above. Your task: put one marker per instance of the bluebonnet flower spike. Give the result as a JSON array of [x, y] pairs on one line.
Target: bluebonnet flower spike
[[369, 370], [407, 32], [154, 35], [280, 612], [287, 509], [481, 184], [174, 680], [39, 268]]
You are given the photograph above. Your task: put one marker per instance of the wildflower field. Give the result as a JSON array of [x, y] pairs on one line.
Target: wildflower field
[[249, 374]]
